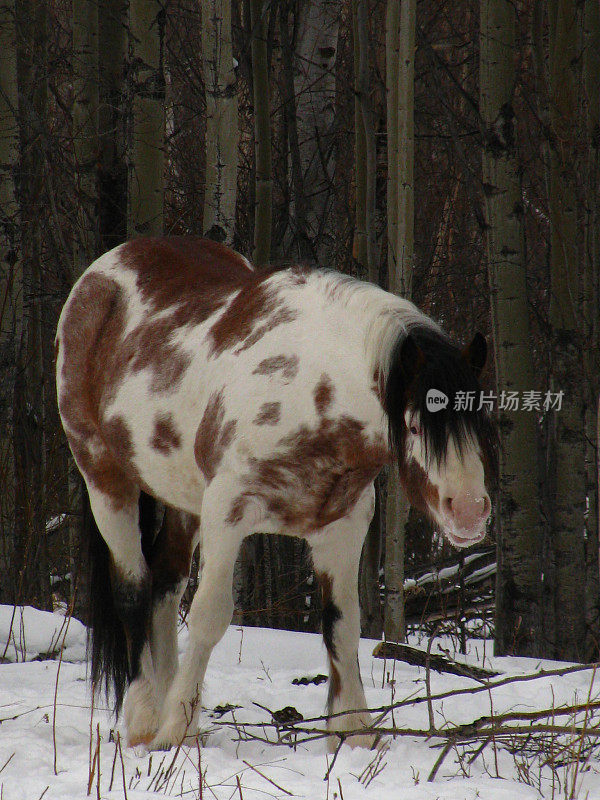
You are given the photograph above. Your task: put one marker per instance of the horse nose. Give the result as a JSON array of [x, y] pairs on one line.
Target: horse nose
[[467, 511]]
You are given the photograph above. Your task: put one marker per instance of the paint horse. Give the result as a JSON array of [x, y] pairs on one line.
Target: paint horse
[[248, 401]]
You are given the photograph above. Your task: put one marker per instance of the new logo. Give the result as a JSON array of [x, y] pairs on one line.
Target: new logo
[[435, 400]]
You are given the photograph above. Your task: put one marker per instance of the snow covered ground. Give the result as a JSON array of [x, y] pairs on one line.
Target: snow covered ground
[[45, 744]]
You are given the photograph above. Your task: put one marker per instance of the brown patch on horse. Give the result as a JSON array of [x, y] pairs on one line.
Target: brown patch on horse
[[148, 347], [117, 436], [172, 550], [166, 437], [323, 394], [287, 365], [237, 510], [91, 330], [281, 317], [254, 311], [268, 414], [189, 274], [103, 471], [316, 476], [329, 611], [195, 277], [420, 492], [335, 684], [331, 615], [213, 436]]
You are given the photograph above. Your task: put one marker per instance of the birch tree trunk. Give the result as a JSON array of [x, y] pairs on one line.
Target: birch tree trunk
[[405, 204], [300, 206], [262, 136], [392, 54], [221, 120], [591, 304], [11, 289], [146, 164], [519, 545], [400, 76], [366, 255], [315, 59], [366, 170], [568, 453]]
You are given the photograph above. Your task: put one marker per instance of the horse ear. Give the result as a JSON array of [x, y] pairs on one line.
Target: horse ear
[[412, 358], [475, 353]]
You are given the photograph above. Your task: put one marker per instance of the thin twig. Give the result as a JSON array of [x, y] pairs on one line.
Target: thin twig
[[98, 764], [333, 760], [114, 764], [445, 750], [428, 680], [122, 764], [62, 647], [266, 777], [7, 762]]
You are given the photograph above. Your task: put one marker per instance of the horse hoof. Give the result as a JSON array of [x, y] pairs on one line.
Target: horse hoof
[[168, 737], [140, 714], [140, 742]]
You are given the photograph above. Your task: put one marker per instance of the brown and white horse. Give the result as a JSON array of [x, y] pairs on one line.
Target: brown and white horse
[[247, 401]]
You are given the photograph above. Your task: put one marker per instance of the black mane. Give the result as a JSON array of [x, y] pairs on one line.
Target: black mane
[[434, 362]]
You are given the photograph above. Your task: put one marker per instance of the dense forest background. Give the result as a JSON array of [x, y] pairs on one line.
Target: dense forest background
[[445, 150]]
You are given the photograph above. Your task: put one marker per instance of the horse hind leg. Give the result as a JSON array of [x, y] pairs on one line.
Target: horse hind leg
[[169, 557], [120, 651], [170, 566], [208, 618]]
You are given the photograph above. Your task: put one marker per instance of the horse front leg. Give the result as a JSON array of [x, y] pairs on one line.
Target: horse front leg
[[336, 553]]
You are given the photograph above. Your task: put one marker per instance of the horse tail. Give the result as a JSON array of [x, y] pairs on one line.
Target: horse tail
[[108, 648]]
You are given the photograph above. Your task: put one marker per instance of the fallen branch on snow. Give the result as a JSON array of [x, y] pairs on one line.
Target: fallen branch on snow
[[439, 663]]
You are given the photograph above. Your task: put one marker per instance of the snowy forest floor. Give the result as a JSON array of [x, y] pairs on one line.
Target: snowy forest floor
[[48, 740]]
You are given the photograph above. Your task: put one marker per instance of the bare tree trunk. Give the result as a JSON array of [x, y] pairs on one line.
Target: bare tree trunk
[[85, 130], [315, 59], [112, 170], [31, 557], [86, 231], [591, 303], [568, 455], [299, 205], [262, 136], [360, 249], [519, 545], [11, 290], [146, 165], [221, 120], [400, 76]]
